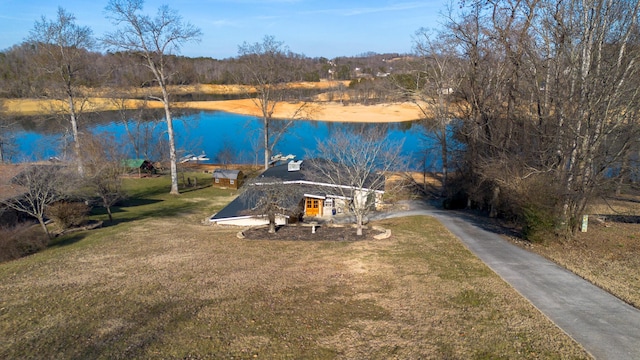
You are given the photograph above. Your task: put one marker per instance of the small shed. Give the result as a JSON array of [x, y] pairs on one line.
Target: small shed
[[225, 178], [141, 166]]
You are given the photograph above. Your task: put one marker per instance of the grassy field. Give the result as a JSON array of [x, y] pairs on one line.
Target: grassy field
[[158, 283]]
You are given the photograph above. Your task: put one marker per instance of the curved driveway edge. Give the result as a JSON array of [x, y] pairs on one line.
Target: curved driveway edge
[[605, 326]]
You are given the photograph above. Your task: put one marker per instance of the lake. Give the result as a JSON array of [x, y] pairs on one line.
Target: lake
[[211, 133]]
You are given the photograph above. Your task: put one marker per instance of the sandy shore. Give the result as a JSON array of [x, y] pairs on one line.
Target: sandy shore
[[324, 111]]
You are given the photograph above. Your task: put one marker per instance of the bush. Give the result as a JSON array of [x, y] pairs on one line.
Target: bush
[[67, 215], [539, 224], [455, 201], [21, 240]]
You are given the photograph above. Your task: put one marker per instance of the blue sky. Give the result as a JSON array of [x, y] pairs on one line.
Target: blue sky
[[328, 28]]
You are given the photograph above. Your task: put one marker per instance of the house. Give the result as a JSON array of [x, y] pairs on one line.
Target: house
[[225, 178], [320, 200]]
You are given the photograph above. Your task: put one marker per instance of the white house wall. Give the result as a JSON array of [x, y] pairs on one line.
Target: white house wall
[[250, 221]]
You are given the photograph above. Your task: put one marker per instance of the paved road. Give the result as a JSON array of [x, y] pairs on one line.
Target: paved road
[[606, 327]]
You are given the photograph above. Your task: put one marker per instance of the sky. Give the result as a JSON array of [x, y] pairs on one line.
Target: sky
[[315, 28]]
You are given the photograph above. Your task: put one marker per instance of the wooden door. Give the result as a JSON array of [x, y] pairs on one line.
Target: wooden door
[[313, 207]]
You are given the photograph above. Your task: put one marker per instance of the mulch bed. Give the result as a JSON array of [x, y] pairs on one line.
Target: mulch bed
[[303, 233]]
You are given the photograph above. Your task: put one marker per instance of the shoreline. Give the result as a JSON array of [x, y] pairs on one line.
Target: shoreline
[[317, 111]]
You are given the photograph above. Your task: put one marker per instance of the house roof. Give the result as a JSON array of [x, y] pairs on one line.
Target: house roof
[[240, 205], [282, 172], [226, 174], [235, 208]]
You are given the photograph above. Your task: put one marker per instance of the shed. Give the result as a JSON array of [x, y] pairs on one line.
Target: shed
[[225, 178], [140, 166]]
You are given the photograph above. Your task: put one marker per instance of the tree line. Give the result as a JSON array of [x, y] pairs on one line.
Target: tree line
[[543, 96]]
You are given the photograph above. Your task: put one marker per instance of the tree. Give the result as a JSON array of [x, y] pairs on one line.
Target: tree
[[600, 66], [7, 142], [551, 95], [227, 153], [271, 197], [267, 68], [142, 128], [154, 39], [41, 186], [62, 47], [430, 84], [357, 165], [104, 162]]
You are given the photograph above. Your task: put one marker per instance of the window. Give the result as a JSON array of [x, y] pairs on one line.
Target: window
[[231, 181], [217, 181]]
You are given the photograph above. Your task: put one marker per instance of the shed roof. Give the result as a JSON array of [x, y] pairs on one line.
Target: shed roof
[[133, 163], [226, 174]]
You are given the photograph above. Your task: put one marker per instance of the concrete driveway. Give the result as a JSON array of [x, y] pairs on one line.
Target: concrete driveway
[[605, 326]]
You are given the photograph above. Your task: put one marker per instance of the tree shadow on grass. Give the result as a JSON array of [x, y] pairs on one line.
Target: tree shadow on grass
[[625, 219], [492, 225], [139, 209], [67, 240]]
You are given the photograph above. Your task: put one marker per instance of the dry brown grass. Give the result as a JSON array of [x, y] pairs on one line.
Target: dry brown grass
[[608, 253], [169, 287]]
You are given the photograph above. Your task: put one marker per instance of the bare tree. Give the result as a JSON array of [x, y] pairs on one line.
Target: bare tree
[[551, 91], [104, 161], [356, 165], [430, 83], [141, 127], [271, 197], [7, 141], [63, 46], [154, 39], [41, 185], [227, 153], [268, 67], [600, 67]]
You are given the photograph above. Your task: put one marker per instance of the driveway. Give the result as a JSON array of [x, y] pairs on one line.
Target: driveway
[[605, 326]]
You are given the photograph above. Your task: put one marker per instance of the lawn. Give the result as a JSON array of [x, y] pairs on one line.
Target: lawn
[[158, 283]]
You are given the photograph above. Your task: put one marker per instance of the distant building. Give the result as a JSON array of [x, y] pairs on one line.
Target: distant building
[[138, 166], [224, 178]]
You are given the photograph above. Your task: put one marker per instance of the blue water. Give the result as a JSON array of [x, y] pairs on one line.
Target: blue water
[[211, 132]]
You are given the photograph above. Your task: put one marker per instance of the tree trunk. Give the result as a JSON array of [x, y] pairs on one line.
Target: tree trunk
[[172, 145], [444, 155], [109, 213], [267, 152], [76, 136], [359, 224], [272, 223], [44, 227]]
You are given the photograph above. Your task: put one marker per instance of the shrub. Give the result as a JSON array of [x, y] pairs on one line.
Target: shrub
[[455, 201], [67, 215], [21, 240], [538, 224]]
